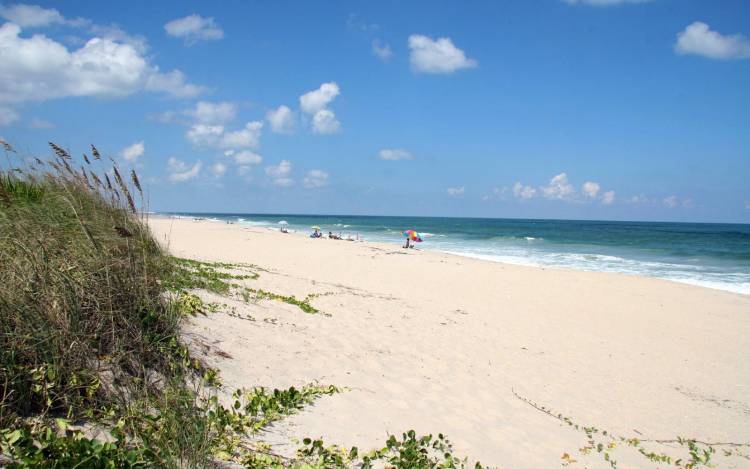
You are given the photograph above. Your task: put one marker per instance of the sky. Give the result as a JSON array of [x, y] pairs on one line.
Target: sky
[[572, 109]]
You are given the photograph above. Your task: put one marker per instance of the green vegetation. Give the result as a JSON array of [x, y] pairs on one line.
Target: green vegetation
[[90, 311], [216, 277], [695, 453]]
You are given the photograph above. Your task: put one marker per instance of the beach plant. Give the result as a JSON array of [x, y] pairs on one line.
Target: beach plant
[[603, 442]]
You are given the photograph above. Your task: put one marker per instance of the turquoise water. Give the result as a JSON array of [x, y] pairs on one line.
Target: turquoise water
[[711, 255]]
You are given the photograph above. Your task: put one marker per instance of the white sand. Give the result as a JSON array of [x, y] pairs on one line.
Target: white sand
[[437, 343]]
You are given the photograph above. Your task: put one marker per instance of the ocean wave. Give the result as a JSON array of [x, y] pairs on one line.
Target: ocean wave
[[682, 273]]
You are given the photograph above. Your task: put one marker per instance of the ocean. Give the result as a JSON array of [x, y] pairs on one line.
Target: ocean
[[706, 254]]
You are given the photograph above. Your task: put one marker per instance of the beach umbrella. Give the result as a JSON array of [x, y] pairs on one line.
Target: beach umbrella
[[413, 235], [283, 222], [316, 227]]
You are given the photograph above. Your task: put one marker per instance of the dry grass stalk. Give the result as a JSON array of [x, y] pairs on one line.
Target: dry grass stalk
[[95, 152], [6, 146], [59, 151], [136, 182]]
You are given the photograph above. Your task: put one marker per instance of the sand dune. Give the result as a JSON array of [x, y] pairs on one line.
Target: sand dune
[[441, 343]]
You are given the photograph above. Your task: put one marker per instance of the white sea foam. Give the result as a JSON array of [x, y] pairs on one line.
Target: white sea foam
[[683, 273]]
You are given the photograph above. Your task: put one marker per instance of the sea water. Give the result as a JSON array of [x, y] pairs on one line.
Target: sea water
[[706, 254]]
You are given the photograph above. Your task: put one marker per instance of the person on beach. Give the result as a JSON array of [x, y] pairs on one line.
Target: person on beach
[[407, 246]]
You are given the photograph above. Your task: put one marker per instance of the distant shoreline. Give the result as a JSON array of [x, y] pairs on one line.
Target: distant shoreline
[[551, 244]]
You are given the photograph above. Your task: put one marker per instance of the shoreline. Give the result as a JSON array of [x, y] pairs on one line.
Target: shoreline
[[443, 343], [479, 257]]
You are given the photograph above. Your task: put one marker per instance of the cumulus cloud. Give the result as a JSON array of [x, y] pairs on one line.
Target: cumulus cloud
[[316, 103], [179, 171], [558, 188], [280, 173], [315, 178], [31, 16], [281, 120], [173, 83], [131, 153], [608, 197], [523, 192], [38, 69], [204, 135], [394, 154], [454, 191], [218, 169], [7, 115], [194, 28], [246, 158], [670, 201], [699, 39], [217, 136], [212, 113], [325, 122], [429, 55], [316, 100], [603, 3], [248, 137], [381, 50], [590, 189]]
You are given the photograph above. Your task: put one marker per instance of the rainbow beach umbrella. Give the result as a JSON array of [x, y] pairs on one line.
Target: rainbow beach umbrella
[[413, 236]]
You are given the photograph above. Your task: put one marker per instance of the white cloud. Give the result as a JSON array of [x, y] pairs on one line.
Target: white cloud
[[394, 154], [523, 192], [205, 135], [316, 103], [699, 39], [212, 113], [281, 170], [281, 120], [172, 83], [132, 152], [437, 56], [639, 199], [246, 157], [747, 204], [381, 50], [315, 178], [194, 28], [38, 69], [608, 197], [248, 137], [316, 100], [181, 171], [31, 16], [670, 201], [325, 122], [280, 173], [7, 115], [603, 3], [37, 123], [217, 136], [558, 188], [218, 169], [454, 191], [590, 189]]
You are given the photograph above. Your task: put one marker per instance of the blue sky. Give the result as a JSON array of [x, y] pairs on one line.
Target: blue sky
[[597, 109]]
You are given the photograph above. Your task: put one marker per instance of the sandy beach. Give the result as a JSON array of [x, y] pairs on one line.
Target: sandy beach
[[441, 343]]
